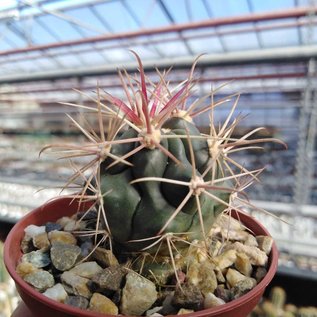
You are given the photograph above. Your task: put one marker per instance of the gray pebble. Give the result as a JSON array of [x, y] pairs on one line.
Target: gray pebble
[[41, 280], [64, 256], [27, 244], [75, 284], [77, 301], [223, 293], [243, 287], [51, 226], [189, 297], [138, 295], [37, 258], [110, 279]]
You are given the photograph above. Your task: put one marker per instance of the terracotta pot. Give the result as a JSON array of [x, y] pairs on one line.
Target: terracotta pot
[[42, 306]]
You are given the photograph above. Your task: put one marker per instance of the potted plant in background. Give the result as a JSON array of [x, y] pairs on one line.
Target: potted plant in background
[[152, 229]]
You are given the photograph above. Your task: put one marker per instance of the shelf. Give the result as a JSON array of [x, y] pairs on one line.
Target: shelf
[[297, 272]]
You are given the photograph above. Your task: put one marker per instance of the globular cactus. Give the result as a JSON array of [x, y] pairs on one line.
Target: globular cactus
[[155, 179]]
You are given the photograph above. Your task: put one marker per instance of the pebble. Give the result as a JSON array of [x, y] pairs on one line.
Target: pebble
[[260, 273], [153, 311], [86, 269], [25, 268], [211, 300], [51, 226], [63, 221], [233, 277], [138, 295], [243, 287], [64, 256], [62, 237], [167, 307], [110, 279], [243, 264], [203, 276], [226, 221], [223, 293], [219, 275], [33, 230], [73, 225], [214, 248], [105, 257], [102, 304], [27, 244], [37, 258], [225, 259], [184, 311], [57, 292], [256, 256], [86, 248], [77, 301], [265, 243], [41, 242], [188, 296], [251, 241], [75, 284], [41, 280], [237, 235]]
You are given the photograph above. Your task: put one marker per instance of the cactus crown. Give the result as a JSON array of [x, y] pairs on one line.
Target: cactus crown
[[156, 181]]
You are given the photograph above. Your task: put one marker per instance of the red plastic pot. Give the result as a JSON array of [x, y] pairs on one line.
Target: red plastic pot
[[41, 306]]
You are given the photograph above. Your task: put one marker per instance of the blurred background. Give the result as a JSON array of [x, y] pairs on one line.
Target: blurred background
[[265, 50]]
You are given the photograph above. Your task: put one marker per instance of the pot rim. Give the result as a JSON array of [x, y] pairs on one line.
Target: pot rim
[[20, 225]]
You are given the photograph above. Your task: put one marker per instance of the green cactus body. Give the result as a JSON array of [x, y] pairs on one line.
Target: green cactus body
[[139, 211]]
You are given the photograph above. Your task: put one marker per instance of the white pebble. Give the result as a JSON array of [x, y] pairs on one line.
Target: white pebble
[[211, 301], [3, 296], [154, 311], [57, 292], [33, 230]]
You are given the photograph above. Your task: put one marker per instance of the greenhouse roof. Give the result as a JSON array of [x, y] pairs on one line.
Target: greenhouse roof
[[57, 39]]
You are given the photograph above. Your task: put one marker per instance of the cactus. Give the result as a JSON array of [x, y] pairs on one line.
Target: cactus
[[287, 314], [306, 312], [4, 275], [8, 296], [278, 297], [269, 309], [275, 306], [157, 182]]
